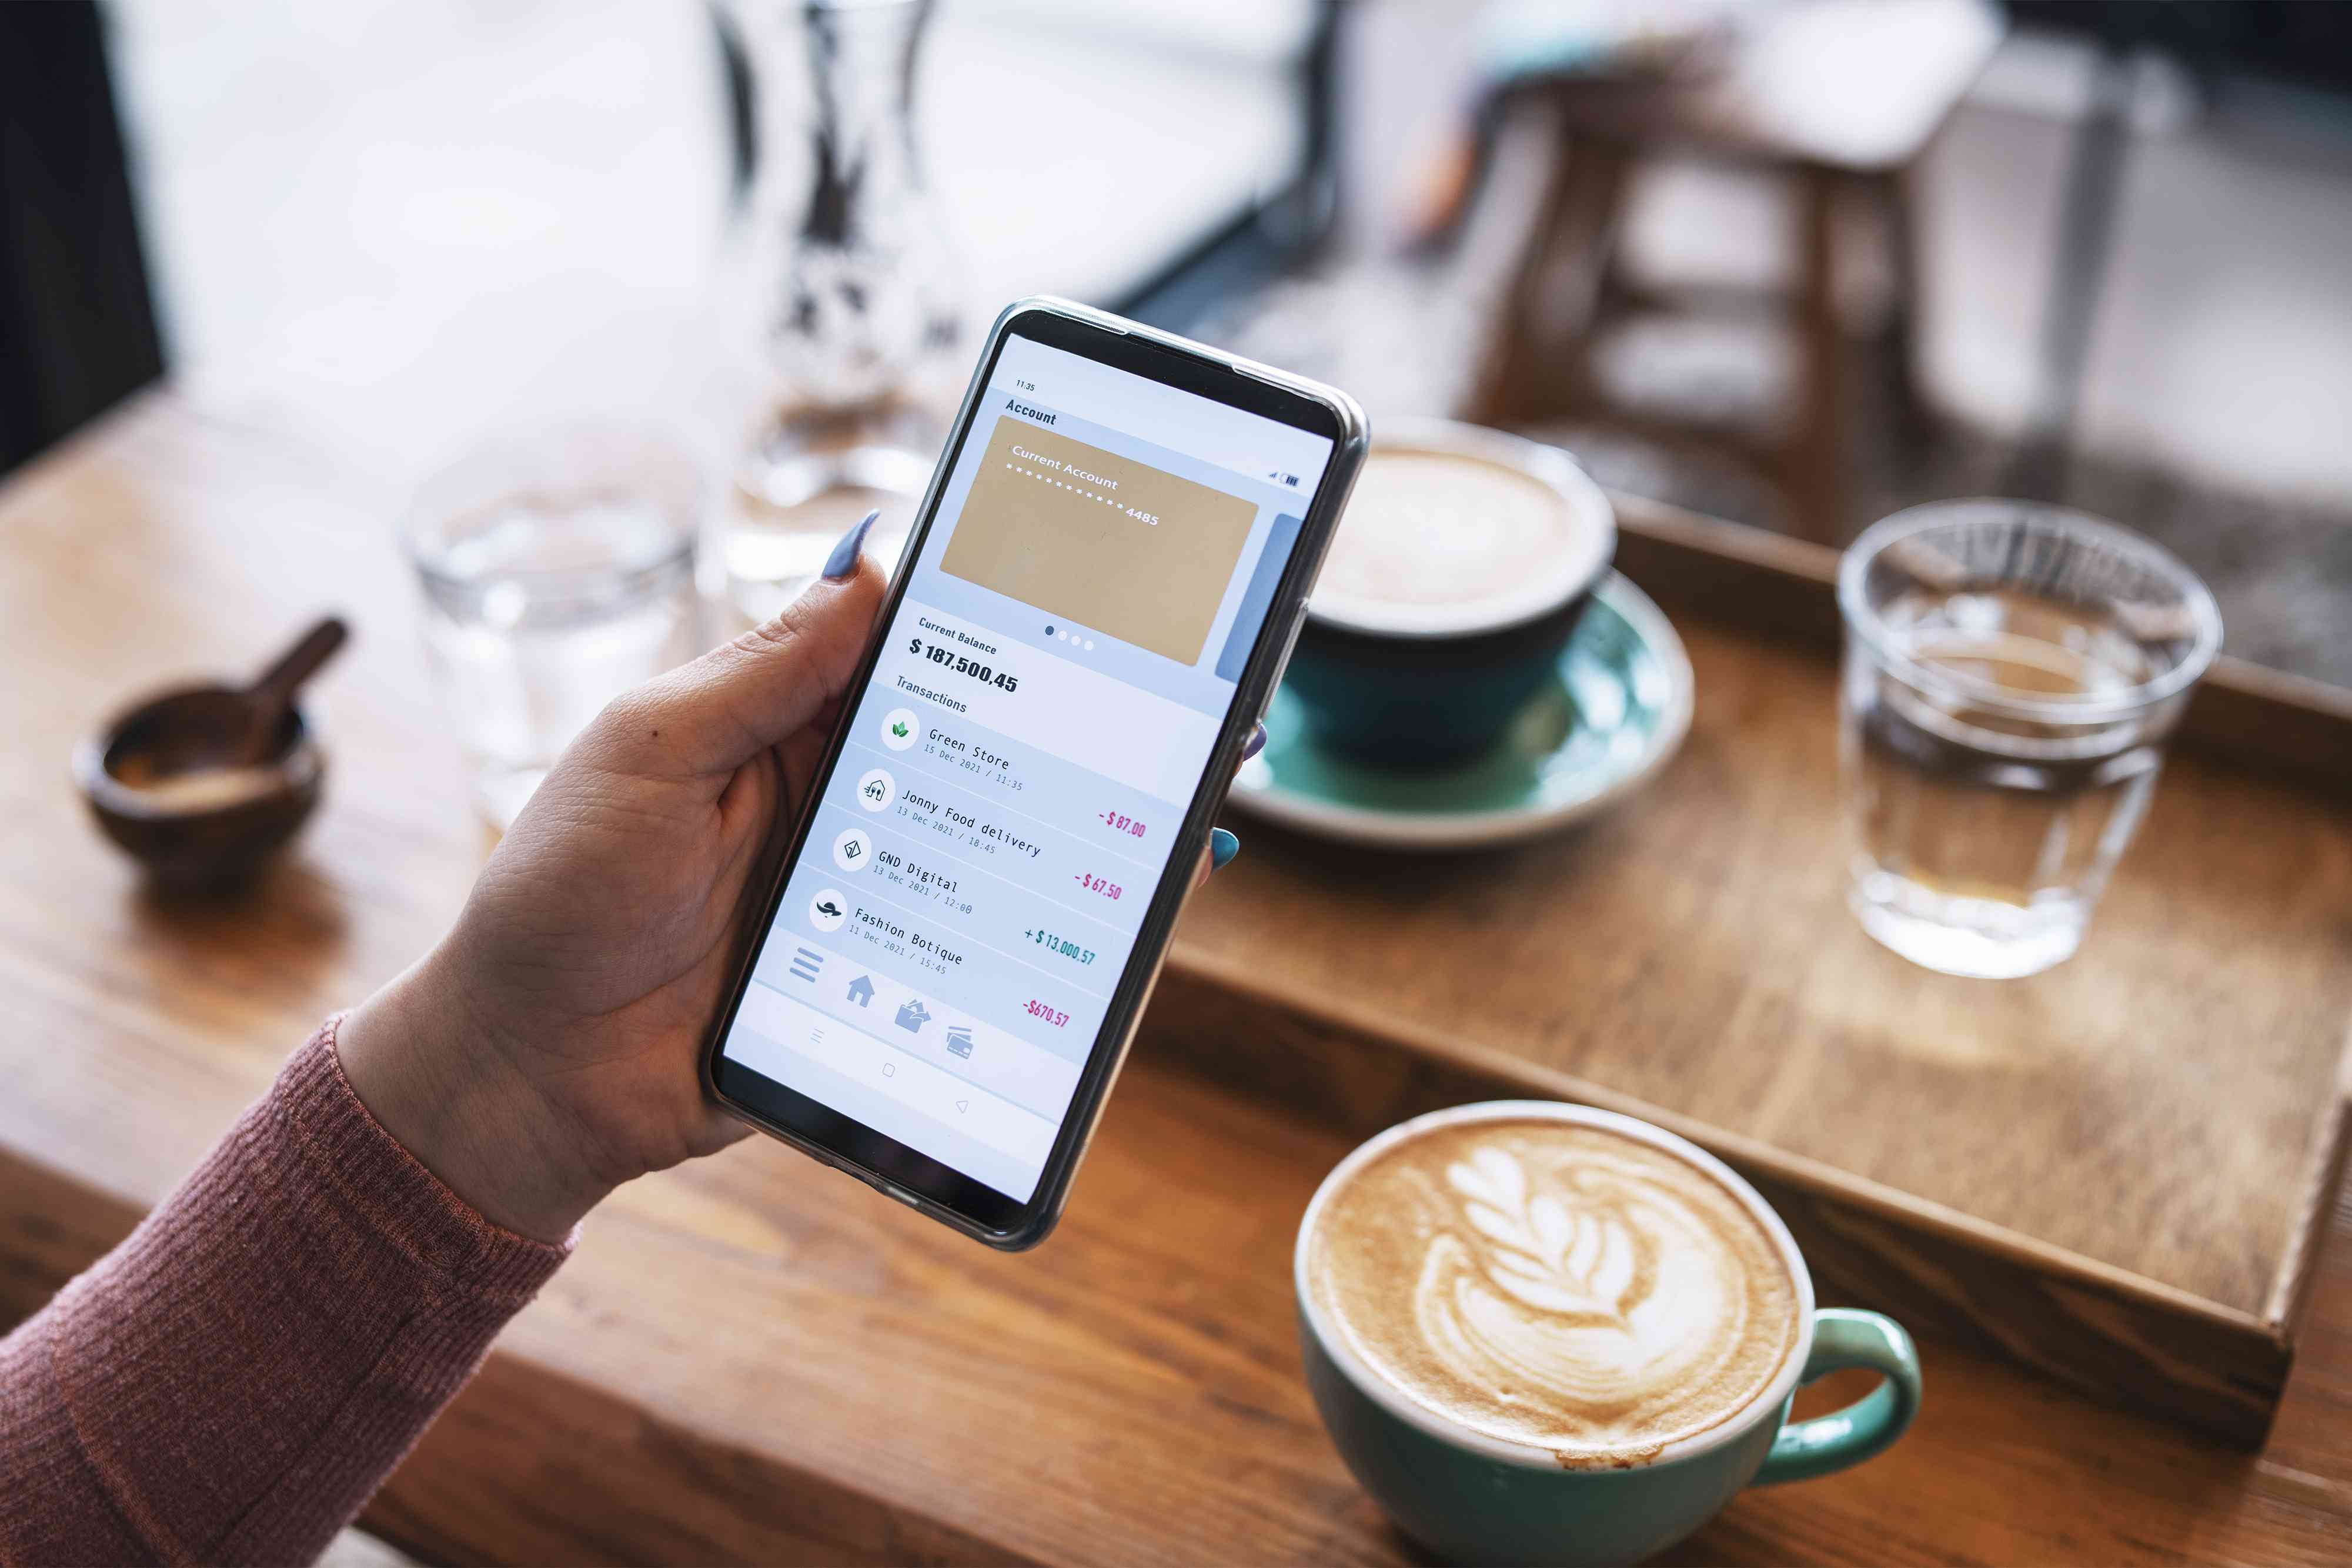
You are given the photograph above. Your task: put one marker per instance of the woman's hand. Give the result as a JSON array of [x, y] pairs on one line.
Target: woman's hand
[[545, 1051], [549, 1048]]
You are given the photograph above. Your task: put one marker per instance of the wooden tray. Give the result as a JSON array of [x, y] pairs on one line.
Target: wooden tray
[[2114, 1172]]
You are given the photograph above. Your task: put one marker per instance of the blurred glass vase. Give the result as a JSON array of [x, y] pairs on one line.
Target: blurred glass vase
[[858, 319]]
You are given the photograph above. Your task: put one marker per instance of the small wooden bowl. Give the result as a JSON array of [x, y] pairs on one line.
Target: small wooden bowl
[[210, 825]]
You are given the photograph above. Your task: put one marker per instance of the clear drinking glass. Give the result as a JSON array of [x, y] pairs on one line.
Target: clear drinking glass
[[558, 572], [2011, 672]]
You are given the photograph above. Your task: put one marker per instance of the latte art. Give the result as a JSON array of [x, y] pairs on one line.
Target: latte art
[[1444, 542], [1583, 1262], [1556, 1285]]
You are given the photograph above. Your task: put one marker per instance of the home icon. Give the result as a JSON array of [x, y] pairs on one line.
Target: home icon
[[861, 990]]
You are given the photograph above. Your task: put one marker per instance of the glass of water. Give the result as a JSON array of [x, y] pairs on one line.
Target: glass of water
[[2011, 672], [558, 571]]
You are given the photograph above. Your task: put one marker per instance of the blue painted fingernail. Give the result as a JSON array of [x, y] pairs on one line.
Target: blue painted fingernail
[[1223, 847], [1256, 743], [843, 562]]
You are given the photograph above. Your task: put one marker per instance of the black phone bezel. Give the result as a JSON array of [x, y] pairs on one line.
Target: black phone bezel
[[868, 1153]]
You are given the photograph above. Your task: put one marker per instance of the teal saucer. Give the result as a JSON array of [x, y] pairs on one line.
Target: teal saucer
[[1613, 713]]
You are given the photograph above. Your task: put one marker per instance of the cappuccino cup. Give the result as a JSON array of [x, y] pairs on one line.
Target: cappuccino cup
[[1538, 1332], [1462, 564]]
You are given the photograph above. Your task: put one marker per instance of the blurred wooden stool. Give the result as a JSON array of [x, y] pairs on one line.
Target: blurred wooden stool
[[1838, 97]]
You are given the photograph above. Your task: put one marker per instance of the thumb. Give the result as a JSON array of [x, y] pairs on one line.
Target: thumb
[[717, 713]]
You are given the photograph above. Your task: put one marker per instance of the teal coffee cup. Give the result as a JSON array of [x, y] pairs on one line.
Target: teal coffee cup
[[1617, 1241], [1463, 562]]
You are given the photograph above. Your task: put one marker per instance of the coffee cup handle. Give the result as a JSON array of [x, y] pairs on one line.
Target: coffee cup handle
[[1843, 1337]]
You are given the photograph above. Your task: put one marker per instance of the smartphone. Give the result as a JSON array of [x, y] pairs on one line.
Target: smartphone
[[1097, 599]]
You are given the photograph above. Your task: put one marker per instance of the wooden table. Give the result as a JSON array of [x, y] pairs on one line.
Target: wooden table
[[752, 1358]]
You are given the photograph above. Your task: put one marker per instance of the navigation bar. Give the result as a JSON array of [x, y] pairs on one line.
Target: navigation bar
[[850, 989], [772, 1028]]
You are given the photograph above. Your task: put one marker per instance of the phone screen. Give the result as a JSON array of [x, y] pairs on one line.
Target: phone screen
[[942, 964]]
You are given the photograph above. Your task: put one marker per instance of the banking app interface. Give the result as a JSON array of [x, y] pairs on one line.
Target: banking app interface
[[1046, 701]]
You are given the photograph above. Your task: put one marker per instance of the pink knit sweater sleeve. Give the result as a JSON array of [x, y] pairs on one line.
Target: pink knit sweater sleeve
[[233, 1382]]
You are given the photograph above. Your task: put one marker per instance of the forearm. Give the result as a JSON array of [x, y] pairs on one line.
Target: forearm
[[440, 1079], [234, 1380]]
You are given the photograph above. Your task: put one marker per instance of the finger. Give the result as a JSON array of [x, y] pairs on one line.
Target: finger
[[719, 1129], [725, 708], [1223, 846], [803, 749], [1215, 855], [1253, 744], [751, 805]]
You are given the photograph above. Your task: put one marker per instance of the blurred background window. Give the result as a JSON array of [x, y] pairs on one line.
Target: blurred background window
[[346, 202], [317, 180], [2126, 234]]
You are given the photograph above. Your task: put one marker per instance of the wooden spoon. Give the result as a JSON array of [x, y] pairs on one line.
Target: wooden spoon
[[271, 696]]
